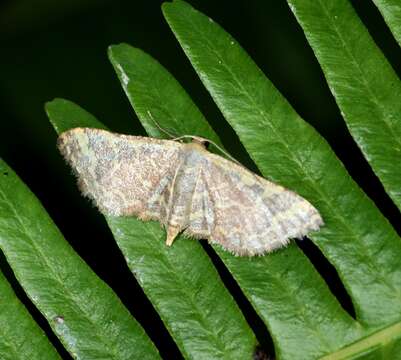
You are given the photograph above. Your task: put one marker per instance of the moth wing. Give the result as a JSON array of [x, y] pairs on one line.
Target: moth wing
[[252, 215], [122, 174], [202, 211]]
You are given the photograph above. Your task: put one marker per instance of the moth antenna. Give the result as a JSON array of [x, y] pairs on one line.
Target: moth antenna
[[160, 128], [210, 142], [183, 137], [224, 152], [175, 138]]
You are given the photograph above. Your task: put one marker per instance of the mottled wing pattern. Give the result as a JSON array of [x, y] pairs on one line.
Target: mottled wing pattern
[[201, 220], [247, 214], [123, 175], [185, 187]]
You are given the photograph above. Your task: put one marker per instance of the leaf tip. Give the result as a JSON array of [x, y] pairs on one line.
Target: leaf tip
[[116, 47], [51, 107], [169, 5], [49, 104]]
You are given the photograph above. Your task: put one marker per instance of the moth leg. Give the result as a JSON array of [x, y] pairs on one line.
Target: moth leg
[[172, 232]]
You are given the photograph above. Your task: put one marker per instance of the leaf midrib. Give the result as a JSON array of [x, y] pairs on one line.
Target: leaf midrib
[[369, 342], [183, 286]]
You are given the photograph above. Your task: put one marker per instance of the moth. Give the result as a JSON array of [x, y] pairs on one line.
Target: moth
[[187, 189]]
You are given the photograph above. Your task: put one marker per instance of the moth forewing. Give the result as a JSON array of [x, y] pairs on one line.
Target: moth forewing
[[186, 188]]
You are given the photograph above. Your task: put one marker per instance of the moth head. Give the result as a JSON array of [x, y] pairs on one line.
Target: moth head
[[200, 141]]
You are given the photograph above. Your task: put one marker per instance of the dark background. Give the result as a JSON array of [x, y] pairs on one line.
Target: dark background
[[58, 49]]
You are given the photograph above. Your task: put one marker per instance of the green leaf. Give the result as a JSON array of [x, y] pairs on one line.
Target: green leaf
[[65, 115], [20, 337], [146, 84], [181, 281], [391, 12], [304, 318], [270, 282], [365, 86], [84, 313], [356, 239], [186, 290], [289, 151]]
